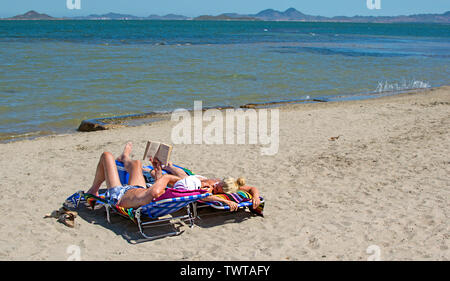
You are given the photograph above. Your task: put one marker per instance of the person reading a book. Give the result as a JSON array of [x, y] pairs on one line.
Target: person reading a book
[[135, 193], [180, 180], [159, 154]]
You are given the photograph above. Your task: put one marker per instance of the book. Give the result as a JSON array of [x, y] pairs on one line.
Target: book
[[158, 150]]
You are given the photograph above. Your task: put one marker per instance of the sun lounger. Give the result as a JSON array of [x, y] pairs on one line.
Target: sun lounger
[[171, 201], [150, 214], [242, 198]]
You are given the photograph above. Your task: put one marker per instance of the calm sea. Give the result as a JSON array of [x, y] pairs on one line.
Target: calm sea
[[54, 74]]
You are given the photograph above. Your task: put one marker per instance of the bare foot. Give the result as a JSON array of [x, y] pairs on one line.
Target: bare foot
[[126, 152]]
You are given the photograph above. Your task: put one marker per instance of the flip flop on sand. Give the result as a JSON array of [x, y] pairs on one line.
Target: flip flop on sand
[[57, 213], [64, 216], [67, 219]]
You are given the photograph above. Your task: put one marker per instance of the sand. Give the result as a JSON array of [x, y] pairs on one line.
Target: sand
[[380, 190]]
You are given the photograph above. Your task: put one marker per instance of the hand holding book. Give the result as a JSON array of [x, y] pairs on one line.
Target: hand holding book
[[158, 150]]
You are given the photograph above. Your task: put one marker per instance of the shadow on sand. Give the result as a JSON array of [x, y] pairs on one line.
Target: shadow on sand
[[207, 217]]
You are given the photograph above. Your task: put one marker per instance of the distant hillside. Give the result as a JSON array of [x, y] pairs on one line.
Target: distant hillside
[[115, 16], [290, 14], [109, 16], [32, 15], [167, 17], [423, 18], [227, 17]]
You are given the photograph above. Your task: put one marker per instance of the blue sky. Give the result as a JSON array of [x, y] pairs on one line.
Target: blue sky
[[214, 7]]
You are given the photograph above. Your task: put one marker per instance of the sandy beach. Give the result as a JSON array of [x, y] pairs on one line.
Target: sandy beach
[[384, 182]]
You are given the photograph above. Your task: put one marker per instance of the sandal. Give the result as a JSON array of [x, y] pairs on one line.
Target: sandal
[[56, 213], [64, 216], [67, 219], [64, 210]]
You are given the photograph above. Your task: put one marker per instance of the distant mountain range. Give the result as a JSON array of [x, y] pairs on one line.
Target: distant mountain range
[[115, 16], [31, 15], [290, 14]]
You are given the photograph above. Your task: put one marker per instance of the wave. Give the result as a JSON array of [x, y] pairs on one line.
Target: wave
[[402, 86]]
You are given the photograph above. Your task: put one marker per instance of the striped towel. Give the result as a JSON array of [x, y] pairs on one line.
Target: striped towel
[[169, 205], [154, 209], [243, 198]]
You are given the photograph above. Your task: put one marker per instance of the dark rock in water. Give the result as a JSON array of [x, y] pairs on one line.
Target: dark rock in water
[[99, 124], [95, 125], [89, 126], [249, 105]]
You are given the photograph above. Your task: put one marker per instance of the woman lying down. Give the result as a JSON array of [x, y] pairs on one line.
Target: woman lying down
[[135, 194]]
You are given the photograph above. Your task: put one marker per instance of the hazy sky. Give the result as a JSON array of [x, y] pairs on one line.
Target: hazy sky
[[214, 7]]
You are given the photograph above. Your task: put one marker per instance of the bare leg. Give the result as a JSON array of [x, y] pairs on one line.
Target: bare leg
[[133, 167], [158, 172], [138, 197], [106, 171], [125, 156], [135, 198]]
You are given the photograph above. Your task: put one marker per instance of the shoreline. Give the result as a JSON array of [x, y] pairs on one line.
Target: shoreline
[[132, 120]]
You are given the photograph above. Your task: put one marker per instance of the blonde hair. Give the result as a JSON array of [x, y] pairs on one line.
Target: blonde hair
[[231, 185]]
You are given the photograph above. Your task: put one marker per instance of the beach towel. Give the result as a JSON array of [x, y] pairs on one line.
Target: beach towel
[[173, 193], [243, 198]]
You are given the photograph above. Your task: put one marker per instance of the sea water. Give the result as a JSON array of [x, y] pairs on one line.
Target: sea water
[[54, 74]]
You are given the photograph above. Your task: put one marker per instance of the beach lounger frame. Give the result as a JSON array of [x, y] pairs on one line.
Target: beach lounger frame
[[150, 214], [221, 206], [202, 204]]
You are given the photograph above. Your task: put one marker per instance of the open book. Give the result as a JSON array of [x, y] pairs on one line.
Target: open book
[[158, 150]]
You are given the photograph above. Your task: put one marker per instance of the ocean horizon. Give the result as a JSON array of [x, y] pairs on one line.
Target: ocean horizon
[[55, 74]]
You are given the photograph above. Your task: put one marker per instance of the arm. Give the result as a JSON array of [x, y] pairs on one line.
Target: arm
[[157, 174], [255, 194], [233, 205], [161, 181], [159, 187], [175, 171]]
